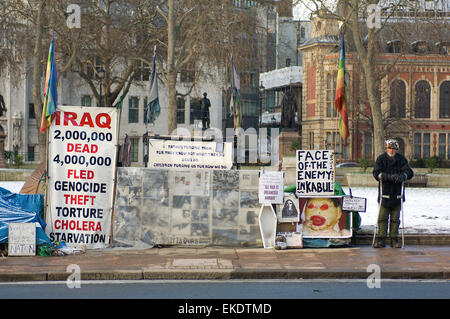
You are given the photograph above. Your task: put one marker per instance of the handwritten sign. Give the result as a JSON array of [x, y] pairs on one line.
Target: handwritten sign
[[271, 187], [174, 154], [22, 239], [354, 204], [315, 172], [82, 160]]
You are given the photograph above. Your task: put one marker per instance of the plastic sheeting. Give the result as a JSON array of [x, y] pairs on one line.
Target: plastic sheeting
[[21, 208], [200, 208]]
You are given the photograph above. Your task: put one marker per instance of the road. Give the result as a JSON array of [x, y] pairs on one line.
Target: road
[[234, 289]]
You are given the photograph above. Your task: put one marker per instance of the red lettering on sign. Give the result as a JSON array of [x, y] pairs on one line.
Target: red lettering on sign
[[82, 148], [82, 174]]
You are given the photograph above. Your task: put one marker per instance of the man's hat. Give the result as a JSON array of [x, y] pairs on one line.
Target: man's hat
[[391, 143]]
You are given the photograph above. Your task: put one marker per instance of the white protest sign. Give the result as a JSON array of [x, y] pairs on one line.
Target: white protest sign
[[315, 172], [271, 187], [21, 239], [82, 160], [174, 154], [354, 204]]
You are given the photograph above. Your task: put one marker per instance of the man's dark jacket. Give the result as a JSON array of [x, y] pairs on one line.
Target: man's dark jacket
[[394, 171]]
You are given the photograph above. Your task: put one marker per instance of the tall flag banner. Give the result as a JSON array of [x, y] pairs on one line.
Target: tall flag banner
[[341, 95], [50, 91], [153, 105], [235, 103]]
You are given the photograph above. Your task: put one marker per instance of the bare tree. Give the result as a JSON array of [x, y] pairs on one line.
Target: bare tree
[[204, 34]]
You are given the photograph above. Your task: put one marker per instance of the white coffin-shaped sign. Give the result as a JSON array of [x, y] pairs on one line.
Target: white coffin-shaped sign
[[267, 225]]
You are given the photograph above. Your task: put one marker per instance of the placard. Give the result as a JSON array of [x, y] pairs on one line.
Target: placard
[[21, 239], [354, 204], [82, 161], [315, 173], [175, 154], [289, 211], [271, 187], [322, 217]]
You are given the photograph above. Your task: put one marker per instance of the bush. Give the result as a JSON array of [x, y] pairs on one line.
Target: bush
[[18, 160], [431, 163], [295, 145], [364, 163]]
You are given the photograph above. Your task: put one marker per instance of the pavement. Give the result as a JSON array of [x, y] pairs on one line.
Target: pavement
[[223, 263]]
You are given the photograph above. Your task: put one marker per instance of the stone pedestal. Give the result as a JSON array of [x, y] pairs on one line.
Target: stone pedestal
[[2, 148], [285, 141]]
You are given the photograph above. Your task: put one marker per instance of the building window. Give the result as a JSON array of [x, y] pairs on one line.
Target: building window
[[422, 145], [250, 108], [334, 142], [444, 100], [417, 145], [86, 100], [426, 145], [180, 110], [195, 111], [367, 144], [142, 72], [134, 153], [145, 109], [331, 94], [31, 114], [133, 109], [288, 62], [30, 153], [442, 145], [311, 140], [422, 99], [398, 99]]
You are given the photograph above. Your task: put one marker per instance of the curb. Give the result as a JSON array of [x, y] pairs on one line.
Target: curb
[[237, 274]]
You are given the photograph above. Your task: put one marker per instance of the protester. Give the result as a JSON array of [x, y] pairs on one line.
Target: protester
[[391, 169]]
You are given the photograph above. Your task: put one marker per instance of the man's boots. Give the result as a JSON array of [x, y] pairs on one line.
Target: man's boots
[[395, 243], [380, 243]]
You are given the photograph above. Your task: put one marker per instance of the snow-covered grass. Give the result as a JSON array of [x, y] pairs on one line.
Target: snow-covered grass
[[426, 210]]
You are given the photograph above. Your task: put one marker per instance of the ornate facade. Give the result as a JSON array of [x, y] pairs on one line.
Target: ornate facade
[[415, 96]]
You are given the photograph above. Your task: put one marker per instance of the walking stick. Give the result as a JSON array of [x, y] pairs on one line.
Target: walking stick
[[380, 190], [401, 212]]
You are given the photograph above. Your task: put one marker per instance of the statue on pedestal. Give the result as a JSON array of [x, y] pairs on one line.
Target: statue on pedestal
[[288, 109]]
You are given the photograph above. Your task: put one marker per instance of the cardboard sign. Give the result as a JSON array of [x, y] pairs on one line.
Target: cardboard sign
[[354, 204], [21, 239], [315, 173], [82, 161], [174, 154], [271, 187]]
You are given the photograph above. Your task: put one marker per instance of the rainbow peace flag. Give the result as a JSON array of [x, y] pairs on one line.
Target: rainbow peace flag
[[341, 96], [50, 92]]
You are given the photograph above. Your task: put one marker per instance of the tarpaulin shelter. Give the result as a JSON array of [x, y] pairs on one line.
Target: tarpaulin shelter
[[21, 208]]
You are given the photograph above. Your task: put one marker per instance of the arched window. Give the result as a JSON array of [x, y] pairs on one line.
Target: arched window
[[422, 98], [398, 99], [444, 100]]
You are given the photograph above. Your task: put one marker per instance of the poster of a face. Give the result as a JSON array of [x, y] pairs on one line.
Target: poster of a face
[[288, 212], [322, 217]]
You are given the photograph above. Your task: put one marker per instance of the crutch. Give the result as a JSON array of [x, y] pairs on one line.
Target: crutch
[[375, 231], [401, 213]]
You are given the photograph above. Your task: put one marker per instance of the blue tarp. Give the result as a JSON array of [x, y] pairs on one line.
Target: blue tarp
[[21, 208]]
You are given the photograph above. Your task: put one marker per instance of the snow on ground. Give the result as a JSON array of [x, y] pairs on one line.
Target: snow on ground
[[14, 187], [426, 210]]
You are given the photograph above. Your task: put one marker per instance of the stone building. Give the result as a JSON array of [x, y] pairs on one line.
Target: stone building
[[415, 94]]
